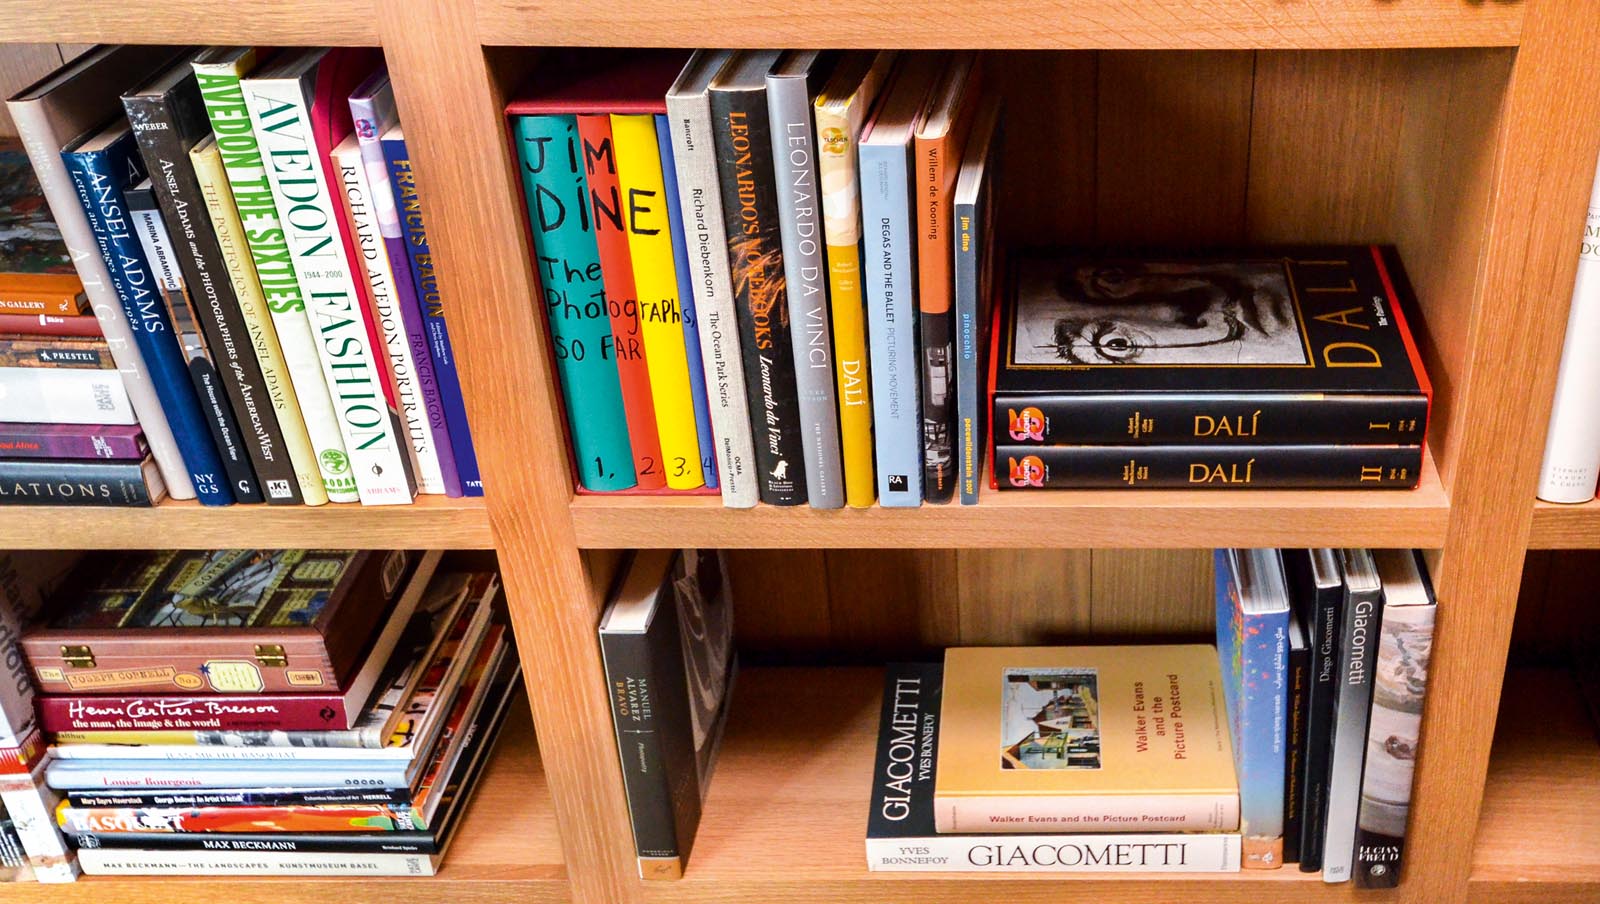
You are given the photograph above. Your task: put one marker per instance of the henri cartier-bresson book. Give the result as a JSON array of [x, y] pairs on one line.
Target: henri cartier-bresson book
[[1084, 739]]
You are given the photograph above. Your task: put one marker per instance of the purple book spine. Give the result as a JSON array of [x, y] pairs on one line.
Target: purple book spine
[[422, 360], [120, 442]]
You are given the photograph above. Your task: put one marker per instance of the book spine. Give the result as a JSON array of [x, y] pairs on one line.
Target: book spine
[[119, 483], [373, 116], [1572, 445], [32, 809], [1405, 645], [806, 284], [631, 676], [246, 798], [358, 206], [68, 743], [1129, 419], [686, 303], [70, 775], [621, 298], [655, 280], [891, 293], [755, 260], [935, 175], [339, 819], [386, 843], [161, 258], [1209, 467], [55, 351], [1294, 753], [426, 283], [338, 748], [49, 325], [1262, 735], [116, 862], [258, 213], [1087, 813], [26, 580], [279, 387], [164, 137], [1323, 637], [99, 192], [281, 117], [297, 712], [1363, 614], [700, 201], [64, 395], [16, 302], [74, 441], [1208, 853], [570, 270]]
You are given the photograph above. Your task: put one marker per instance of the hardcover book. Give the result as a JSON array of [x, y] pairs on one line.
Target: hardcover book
[[1317, 587], [31, 805], [1223, 467], [974, 267], [1120, 739], [49, 325], [122, 442], [36, 273], [1294, 753], [51, 482], [1274, 347], [64, 395], [901, 833], [1363, 614], [1571, 464]]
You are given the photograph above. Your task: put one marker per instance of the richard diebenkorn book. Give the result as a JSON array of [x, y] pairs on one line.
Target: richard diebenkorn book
[[1084, 739]]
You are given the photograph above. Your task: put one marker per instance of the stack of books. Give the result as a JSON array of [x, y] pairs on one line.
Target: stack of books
[[766, 272], [269, 712], [254, 252]]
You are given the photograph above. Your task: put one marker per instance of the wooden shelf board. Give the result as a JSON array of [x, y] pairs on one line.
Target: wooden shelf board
[[786, 815], [507, 850], [1045, 24], [280, 22], [435, 522], [1539, 829], [1557, 526], [1161, 519]]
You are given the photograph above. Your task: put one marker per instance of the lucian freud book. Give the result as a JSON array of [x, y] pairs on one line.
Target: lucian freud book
[[1124, 739]]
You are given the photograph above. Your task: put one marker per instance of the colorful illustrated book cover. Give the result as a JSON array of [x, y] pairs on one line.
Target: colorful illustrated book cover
[[30, 241]]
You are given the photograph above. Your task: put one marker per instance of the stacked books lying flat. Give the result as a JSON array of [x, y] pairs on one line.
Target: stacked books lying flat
[[1281, 368], [269, 712], [1299, 749], [721, 238], [254, 306]]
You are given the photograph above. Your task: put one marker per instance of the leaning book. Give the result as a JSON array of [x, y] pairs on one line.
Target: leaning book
[[901, 836]]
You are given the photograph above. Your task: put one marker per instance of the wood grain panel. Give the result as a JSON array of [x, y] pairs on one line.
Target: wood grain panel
[[781, 606], [893, 601], [1165, 593], [285, 22], [20, 66], [1174, 145], [1024, 597], [1048, 145]]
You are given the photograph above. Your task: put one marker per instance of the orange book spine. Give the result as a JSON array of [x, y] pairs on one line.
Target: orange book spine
[[59, 295]]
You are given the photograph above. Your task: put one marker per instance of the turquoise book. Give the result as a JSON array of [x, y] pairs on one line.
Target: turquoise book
[[568, 260], [1253, 644]]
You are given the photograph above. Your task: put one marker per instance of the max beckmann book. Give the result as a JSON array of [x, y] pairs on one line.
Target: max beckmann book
[[1084, 739]]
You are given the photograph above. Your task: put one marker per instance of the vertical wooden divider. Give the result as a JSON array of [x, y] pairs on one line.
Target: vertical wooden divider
[[452, 106]]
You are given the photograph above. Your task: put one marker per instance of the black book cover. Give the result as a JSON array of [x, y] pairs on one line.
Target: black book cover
[[1207, 467], [1276, 346], [322, 842], [27, 481], [740, 122], [908, 746], [1294, 751], [264, 797], [203, 374], [1352, 709], [169, 118], [1316, 592]]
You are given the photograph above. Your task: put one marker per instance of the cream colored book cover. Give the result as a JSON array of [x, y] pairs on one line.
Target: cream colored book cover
[[1084, 739]]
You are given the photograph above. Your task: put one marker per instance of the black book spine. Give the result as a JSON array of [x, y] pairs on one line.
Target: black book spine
[[1130, 419], [125, 484], [755, 257], [166, 127], [1294, 752], [253, 798], [1208, 467], [1323, 632], [325, 842]]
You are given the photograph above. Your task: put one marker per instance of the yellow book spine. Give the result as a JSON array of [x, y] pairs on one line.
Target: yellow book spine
[[655, 281], [208, 168]]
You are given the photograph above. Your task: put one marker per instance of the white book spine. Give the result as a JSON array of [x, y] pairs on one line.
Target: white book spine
[[64, 395], [890, 278], [166, 753], [282, 118], [32, 809], [700, 199], [1169, 853], [161, 775], [355, 172], [130, 862], [1572, 446], [1110, 813], [44, 153]]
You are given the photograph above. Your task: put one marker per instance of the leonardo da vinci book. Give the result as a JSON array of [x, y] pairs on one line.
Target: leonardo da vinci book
[[1124, 739]]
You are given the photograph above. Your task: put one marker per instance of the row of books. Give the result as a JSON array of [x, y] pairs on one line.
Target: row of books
[[712, 294], [254, 305], [259, 712]]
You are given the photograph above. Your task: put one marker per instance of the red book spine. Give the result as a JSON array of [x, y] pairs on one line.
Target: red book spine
[[616, 271], [49, 325], [280, 712]]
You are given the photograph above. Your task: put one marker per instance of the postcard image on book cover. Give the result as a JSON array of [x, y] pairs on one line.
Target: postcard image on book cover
[[1050, 719]]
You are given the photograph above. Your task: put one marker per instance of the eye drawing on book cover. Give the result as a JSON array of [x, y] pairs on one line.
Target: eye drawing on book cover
[[1110, 313], [1050, 719]]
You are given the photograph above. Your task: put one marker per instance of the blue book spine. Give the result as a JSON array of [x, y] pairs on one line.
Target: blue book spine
[[890, 279], [100, 178], [427, 287], [1254, 652], [967, 261], [691, 320]]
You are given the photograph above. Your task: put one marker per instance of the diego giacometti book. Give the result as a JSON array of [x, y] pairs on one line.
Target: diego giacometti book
[[1279, 346], [1120, 739]]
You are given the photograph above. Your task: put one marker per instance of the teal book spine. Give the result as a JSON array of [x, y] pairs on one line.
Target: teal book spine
[[1254, 650], [568, 260]]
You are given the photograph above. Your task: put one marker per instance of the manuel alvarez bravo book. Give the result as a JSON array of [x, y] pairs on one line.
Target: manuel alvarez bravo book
[[1123, 739], [900, 827]]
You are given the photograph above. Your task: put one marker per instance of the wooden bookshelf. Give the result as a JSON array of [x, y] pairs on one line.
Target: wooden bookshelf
[[1558, 526], [280, 22]]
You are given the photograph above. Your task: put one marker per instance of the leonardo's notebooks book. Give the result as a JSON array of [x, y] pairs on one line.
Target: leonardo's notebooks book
[[1084, 739]]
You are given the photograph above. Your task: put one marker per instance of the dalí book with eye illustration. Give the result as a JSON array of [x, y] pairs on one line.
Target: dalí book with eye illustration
[[1286, 346]]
